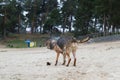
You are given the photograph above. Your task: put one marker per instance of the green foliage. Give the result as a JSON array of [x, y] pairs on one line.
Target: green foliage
[[83, 17], [54, 17], [11, 12], [47, 14], [49, 5]]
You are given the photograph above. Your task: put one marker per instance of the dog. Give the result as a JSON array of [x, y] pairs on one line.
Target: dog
[[64, 46]]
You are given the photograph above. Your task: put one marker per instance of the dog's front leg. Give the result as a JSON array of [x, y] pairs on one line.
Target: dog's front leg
[[74, 55], [57, 58], [64, 59], [69, 59]]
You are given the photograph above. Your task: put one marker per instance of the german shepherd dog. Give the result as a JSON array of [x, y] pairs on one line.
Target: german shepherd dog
[[64, 46]]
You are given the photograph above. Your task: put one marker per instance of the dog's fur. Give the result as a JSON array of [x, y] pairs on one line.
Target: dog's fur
[[64, 46]]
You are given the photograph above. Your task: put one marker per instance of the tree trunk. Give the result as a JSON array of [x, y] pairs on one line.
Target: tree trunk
[[64, 26], [40, 29], [34, 18], [70, 26], [104, 23], [4, 25], [113, 29], [19, 23], [95, 22], [32, 28], [4, 32]]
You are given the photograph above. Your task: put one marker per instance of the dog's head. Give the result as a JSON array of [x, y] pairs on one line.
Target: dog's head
[[50, 44]]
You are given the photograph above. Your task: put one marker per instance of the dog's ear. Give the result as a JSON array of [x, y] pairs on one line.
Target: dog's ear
[[47, 44], [50, 43], [74, 39]]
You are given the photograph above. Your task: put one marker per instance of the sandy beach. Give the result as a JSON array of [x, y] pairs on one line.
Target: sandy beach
[[95, 61]]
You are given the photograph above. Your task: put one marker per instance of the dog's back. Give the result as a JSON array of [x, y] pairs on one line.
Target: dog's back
[[65, 42], [62, 42]]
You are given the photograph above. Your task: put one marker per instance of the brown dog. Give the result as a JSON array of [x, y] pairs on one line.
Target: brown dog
[[64, 46]]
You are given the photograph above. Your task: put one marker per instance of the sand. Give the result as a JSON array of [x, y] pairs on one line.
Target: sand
[[95, 61]]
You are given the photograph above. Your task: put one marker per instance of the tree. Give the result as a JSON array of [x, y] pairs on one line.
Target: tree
[[54, 19], [33, 7], [50, 8], [19, 14], [68, 12], [5, 22], [114, 12], [83, 16], [108, 12], [11, 11]]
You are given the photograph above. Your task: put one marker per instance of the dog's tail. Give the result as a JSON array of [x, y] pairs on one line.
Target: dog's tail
[[84, 40]]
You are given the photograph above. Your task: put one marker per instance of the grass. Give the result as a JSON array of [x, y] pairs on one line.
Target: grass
[[18, 40], [16, 44]]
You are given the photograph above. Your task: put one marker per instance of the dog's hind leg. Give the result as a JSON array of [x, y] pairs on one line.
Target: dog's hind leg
[[64, 59], [69, 59], [74, 55]]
